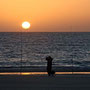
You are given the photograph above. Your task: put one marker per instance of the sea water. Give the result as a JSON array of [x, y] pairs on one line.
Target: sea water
[[31, 49]]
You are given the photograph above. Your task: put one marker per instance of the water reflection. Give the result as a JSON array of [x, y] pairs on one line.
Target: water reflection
[[40, 73]]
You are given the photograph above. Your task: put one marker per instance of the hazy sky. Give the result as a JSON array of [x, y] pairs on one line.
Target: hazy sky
[[45, 15]]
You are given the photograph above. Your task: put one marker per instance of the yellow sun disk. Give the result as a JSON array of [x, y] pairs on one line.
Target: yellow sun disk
[[26, 25]]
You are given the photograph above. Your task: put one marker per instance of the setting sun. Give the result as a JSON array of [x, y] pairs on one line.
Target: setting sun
[[26, 25]]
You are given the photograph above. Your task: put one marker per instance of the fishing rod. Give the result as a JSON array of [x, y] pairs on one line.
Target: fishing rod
[[25, 25], [21, 52]]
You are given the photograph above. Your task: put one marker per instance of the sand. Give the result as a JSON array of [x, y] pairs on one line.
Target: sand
[[43, 82]]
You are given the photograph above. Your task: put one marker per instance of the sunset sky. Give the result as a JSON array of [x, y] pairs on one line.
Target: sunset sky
[[45, 15]]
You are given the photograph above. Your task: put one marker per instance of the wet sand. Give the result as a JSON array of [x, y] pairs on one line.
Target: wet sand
[[43, 82]]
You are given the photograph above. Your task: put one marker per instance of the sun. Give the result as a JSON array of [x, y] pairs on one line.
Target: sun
[[26, 25]]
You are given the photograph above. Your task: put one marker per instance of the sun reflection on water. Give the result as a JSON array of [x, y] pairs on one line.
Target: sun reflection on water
[[40, 73]]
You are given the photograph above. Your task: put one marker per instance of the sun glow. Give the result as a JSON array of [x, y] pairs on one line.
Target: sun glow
[[26, 25]]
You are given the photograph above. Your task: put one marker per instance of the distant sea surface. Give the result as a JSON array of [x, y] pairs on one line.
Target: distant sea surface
[[68, 49]]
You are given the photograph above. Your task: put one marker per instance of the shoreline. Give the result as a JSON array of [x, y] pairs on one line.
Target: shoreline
[[43, 69], [43, 73]]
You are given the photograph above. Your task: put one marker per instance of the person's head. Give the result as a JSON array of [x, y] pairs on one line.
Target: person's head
[[49, 58]]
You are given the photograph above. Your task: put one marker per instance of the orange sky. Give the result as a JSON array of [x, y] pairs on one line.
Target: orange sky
[[45, 15]]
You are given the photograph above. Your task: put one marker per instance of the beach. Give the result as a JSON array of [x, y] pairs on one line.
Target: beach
[[43, 82]]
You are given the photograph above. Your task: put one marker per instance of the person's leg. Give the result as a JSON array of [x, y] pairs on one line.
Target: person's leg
[[49, 73]]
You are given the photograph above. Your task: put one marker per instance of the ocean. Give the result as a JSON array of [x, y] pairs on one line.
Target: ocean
[[69, 50]]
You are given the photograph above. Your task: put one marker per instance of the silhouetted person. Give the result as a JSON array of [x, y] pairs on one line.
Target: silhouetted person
[[49, 65]]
